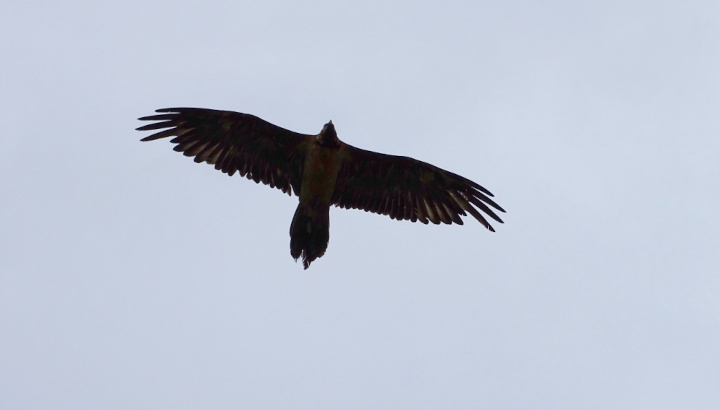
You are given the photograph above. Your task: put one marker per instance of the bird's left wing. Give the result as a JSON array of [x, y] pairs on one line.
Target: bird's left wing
[[407, 189], [234, 142]]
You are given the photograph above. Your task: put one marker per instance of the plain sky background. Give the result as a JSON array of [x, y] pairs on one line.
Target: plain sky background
[[133, 278]]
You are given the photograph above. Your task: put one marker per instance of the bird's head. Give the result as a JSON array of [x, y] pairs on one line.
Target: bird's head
[[328, 136]]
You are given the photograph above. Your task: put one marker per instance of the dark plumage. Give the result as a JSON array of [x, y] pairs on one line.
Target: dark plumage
[[322, 171]]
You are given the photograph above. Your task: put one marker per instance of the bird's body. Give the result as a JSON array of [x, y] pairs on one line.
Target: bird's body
[[310, 228], [322, 171], [322, 163]]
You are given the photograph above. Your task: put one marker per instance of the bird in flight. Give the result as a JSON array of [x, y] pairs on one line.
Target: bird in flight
[[322, 171]]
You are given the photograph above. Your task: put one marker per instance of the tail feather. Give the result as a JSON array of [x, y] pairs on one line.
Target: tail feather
[[309, 233]]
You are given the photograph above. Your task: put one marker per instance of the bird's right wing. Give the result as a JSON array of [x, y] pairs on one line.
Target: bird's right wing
[[407, 189], [234, 142]]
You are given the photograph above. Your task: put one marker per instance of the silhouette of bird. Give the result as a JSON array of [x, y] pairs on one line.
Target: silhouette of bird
[[322, 171]]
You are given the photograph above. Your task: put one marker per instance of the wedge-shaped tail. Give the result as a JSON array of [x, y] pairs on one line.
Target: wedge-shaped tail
[[309, 233]]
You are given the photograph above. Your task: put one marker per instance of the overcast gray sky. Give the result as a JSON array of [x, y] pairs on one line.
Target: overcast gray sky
[[133, 278]]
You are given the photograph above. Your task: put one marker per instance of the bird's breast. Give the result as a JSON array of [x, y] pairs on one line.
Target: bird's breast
[[319, 175]]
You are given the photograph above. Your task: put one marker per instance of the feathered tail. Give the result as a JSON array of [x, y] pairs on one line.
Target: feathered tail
[[309, 233]]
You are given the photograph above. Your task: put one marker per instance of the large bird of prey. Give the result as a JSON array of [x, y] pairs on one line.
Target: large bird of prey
[[322, 171]]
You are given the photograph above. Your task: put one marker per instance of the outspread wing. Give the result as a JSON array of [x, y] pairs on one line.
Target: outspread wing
[[234, 142], [407, 189]]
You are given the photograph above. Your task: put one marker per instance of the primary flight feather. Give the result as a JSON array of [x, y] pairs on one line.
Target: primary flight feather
[[322, 171]]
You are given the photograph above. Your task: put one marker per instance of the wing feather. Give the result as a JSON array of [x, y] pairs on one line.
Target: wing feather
[[234, 142], [407, 189]]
